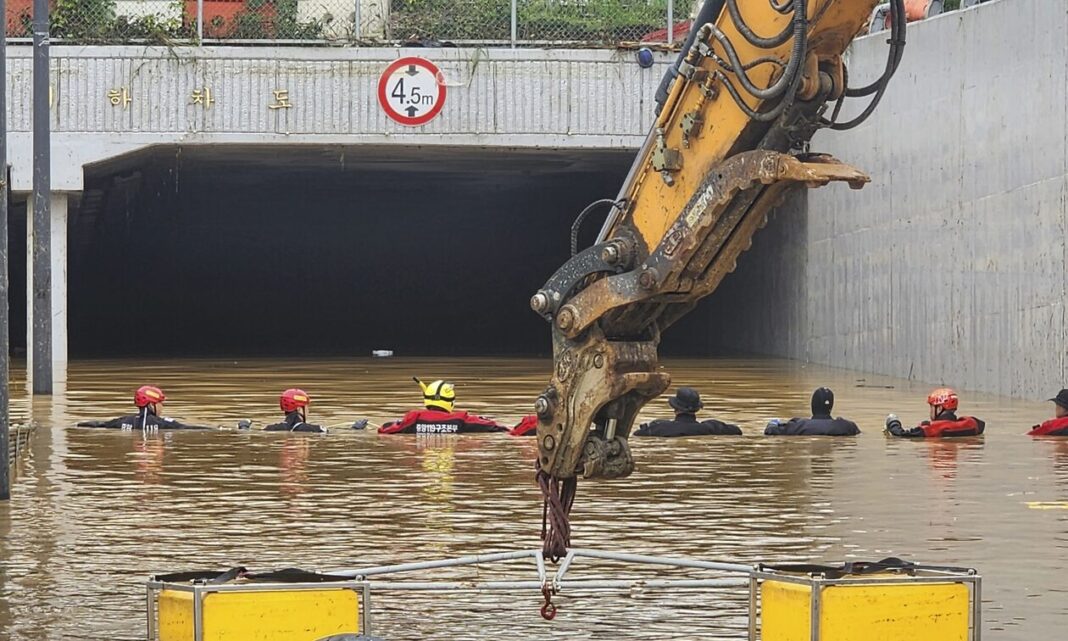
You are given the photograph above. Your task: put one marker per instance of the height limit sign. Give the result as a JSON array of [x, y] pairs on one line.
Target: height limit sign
[[411, 91]]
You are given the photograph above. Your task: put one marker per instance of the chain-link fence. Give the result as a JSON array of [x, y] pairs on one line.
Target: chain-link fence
[[424, 22]]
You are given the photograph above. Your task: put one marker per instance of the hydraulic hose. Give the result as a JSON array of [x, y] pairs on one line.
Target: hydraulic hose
[[785, 7], [709, 12], [756, 62], [893, 59], [747, 33], [577, 225], [897, 50], [793, 68]]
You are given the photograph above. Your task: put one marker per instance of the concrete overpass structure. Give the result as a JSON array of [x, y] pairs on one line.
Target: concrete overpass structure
[[112, 104], [561, 99]]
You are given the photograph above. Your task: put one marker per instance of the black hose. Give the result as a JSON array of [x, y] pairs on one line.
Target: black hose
[[709, 12], [897, 50], [577, 225], [756, 62], [893, 59], [747, 33], [785, 7], [793, 69]]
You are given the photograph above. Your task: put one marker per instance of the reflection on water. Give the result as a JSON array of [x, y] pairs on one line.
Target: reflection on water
[[94, 512]]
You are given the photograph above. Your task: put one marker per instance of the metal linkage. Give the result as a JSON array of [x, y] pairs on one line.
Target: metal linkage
[[558, 577]]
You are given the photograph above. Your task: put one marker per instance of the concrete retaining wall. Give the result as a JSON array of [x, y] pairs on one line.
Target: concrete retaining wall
[[951, 266]]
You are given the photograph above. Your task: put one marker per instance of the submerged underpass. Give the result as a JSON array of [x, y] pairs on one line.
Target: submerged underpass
[[323, 251]]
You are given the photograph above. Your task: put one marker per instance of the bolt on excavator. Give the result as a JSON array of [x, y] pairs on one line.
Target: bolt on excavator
[[755, 80]]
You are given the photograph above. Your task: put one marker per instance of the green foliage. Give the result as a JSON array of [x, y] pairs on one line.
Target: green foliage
[[95, 21], [601, 21], [83, 20], [272, 19], [451, 19], [950, 5], [605, 21]]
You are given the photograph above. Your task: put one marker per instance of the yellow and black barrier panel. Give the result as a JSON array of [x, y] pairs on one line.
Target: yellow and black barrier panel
[[288, 605], [889, 600]]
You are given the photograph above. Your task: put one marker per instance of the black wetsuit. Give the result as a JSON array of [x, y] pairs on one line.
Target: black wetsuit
[[818, 425], [144, 420], [294, 423], [687, 425]]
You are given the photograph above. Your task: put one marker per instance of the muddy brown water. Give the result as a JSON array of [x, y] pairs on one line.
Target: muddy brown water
[[95, 512]]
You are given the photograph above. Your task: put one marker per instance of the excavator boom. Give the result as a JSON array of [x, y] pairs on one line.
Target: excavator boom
[[754, 81]]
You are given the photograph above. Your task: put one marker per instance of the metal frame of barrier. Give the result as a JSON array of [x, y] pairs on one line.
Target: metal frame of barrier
[[971, 579], [199, 591], [741, 576]]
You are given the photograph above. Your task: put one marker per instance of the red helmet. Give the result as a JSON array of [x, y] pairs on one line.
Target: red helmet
[[292, 399], [147, 395], [943, 397]]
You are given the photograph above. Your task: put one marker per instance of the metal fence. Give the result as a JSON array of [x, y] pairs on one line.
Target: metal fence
[[18, 441], [422, 22]]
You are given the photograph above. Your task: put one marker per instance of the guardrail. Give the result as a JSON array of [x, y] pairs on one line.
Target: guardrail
[[515, 23], [18, 441]]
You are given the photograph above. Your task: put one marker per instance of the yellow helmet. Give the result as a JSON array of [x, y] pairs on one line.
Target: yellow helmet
[[439, 394]]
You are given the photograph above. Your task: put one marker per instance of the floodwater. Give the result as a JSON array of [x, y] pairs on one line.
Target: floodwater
[[95, 512]]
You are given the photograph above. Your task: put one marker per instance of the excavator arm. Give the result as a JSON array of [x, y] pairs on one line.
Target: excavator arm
[[754, 81]]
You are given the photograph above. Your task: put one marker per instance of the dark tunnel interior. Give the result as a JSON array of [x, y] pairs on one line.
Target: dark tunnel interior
[[328, 251]]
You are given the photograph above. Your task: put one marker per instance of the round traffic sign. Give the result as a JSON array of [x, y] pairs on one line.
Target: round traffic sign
[[411, 91]]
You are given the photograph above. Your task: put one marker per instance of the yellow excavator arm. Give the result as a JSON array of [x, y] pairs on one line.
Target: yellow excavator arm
[[754, 81]]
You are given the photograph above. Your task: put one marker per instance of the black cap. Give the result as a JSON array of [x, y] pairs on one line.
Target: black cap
[[686, 400], [1061, 398], [822, 401]]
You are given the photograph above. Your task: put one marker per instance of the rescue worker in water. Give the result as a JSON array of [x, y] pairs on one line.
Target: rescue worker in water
[[821, 423], [149, 403], [686, 403], [439, 415], [294, 404], [944, 422], [1057, 426]]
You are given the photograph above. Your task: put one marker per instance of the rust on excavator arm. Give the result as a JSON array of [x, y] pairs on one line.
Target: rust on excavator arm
[[717, 161]]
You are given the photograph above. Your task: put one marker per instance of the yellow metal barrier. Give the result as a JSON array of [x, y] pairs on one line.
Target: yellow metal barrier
[[888, 600], [253, 611], [925, 605]]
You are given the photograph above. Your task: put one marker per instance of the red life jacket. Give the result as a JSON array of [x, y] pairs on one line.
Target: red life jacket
[[967, 426], [1052, 427], [435, 422], [528, 426]]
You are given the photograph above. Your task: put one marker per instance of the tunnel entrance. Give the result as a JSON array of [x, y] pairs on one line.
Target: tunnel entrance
[[329, 251]]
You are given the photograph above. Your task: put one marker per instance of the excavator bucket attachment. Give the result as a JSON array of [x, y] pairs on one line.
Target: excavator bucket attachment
[[601, 383], [754, 82]]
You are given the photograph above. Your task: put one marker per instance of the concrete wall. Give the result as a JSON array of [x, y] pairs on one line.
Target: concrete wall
[[951, 266], [496, 98]]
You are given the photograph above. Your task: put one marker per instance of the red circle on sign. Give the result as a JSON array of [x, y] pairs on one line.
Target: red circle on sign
[[404, 119]]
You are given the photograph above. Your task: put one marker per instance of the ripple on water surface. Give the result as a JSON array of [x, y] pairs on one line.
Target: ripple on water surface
[[94, 512]]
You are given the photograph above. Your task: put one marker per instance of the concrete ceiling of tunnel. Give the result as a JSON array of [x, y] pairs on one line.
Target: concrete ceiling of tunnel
[[470, 164]]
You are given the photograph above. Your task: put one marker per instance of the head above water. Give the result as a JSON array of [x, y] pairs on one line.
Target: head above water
[[686, 401], [439, 395], [1060, 408], [822, 402], [941, 400], [150, 397], [294, 399]]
